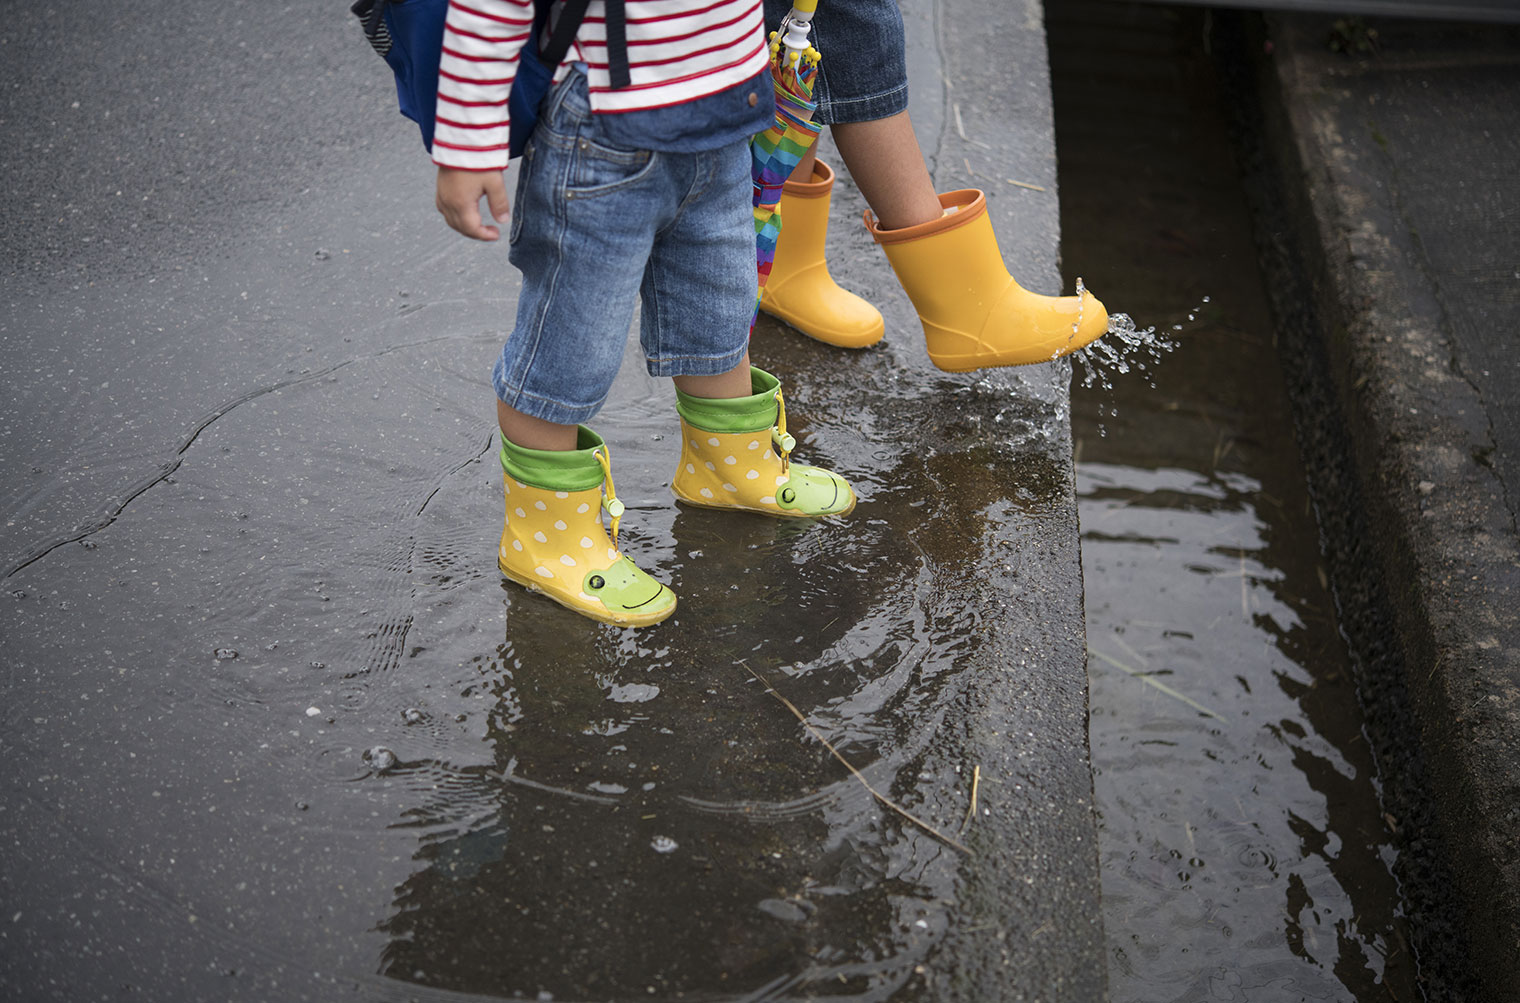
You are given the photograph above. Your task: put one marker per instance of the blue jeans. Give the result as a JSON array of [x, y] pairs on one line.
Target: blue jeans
[[595, 225], [864, 73]]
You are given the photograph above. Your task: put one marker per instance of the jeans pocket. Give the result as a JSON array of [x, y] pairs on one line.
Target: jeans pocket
[[596, 169]]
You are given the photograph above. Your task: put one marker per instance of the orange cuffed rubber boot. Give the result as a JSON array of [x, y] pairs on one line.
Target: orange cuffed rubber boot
[[975, 315], [800, 290]]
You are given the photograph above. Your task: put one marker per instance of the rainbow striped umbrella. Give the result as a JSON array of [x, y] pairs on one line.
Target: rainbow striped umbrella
[[775, 152]]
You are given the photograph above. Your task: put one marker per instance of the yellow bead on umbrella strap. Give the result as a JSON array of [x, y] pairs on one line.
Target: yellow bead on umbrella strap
[[784, 443], [609, 492]]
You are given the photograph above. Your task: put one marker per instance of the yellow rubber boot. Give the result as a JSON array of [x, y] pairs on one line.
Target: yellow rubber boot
[[974, 314], [737, 454], [553, 540], [800, 289]]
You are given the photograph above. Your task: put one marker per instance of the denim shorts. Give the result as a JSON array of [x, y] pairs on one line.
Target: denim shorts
[[595, 226], [864, 73]]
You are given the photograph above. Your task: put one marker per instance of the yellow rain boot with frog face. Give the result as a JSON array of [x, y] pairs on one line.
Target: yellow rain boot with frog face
[[800, 290], [736, 454], [974, 314], [553, 540]]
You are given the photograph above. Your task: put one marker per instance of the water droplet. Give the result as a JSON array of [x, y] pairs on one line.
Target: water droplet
[[1123, 348], [322, 255], [226, 654], [663, 844], [88, 544], [379, 758]]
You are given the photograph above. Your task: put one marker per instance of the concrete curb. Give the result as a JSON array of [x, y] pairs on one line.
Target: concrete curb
[[1443, 541]]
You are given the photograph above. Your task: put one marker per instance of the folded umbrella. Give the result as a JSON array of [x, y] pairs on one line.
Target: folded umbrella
[[774, 153]]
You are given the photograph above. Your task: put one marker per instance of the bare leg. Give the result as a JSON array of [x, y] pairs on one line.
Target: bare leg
[[803, 172], [884, 159], [533, 433], [723, 386]]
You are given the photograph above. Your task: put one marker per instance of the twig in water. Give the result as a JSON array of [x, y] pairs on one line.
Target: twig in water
[[1245, 612], [947, 840], [976, 781], [1163, 687]]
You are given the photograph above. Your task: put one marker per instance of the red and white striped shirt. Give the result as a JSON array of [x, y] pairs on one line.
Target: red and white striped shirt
[[678, 51]]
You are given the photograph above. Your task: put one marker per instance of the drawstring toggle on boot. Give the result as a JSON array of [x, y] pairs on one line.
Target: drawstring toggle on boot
[[784, 443], [610, 502]]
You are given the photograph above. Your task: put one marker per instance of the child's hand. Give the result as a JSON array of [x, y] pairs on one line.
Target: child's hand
[[459, 195]]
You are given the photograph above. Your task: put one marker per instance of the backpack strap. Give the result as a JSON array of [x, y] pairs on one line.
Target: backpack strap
[[570, 18], [617, 44]]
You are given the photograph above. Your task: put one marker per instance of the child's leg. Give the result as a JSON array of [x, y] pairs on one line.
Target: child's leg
[[698, 291], [531, 432], [974, 314], [582, 228], [734, 383], [884, 159]]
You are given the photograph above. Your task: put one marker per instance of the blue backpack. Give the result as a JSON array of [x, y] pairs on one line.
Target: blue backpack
[[408, 34]]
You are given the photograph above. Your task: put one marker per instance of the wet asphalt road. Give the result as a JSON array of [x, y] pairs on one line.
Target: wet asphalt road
[[245, 556]]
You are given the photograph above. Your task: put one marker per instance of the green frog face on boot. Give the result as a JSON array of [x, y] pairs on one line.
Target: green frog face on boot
[[624, 589], [815, 491]]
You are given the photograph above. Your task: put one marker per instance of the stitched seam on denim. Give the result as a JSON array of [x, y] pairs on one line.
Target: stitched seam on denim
[[882, 104], [869, 98], [669, 366], [652, 307], [577, 413], [686, 200], [596, 191], [560, 217]]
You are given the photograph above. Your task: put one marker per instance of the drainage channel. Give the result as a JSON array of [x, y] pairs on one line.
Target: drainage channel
[[1245, 852]]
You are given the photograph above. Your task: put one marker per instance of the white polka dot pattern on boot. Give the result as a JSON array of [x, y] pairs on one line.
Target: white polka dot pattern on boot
[[554, 538]]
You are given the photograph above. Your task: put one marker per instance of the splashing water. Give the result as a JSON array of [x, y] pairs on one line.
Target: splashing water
[[1124, 347]]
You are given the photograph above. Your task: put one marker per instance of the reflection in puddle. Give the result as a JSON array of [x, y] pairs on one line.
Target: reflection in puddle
[[606, 813], [1243, 848]]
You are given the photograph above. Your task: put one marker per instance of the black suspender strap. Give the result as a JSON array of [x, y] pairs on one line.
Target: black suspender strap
[[570, 18], [617, 44], [569, 23]]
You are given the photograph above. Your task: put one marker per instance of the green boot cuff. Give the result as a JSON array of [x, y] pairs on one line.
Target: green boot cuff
[[733, 415], [553, 469]]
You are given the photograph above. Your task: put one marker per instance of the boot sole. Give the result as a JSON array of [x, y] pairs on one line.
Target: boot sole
[[1008, 358], [646, 620], [873, 337], [783, 514]]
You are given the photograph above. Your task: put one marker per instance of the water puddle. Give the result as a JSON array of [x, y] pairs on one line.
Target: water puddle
[[296, 637], [1244, 852]]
